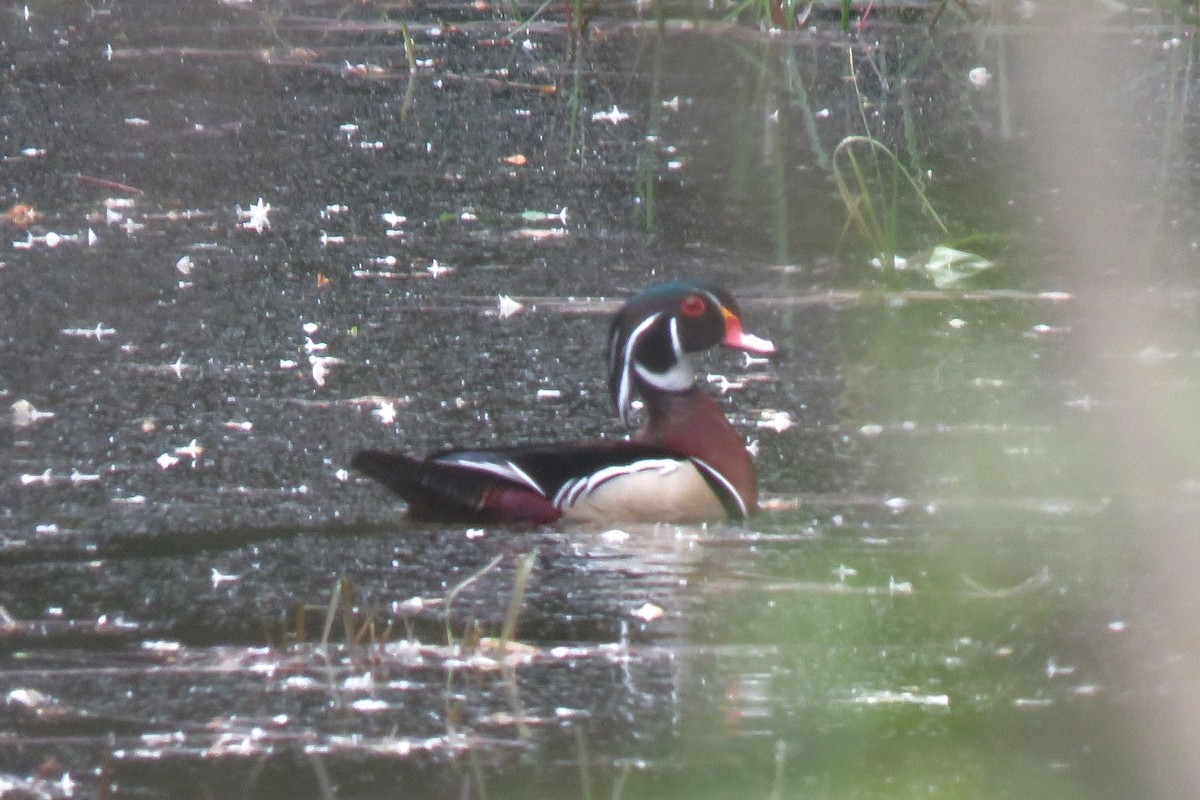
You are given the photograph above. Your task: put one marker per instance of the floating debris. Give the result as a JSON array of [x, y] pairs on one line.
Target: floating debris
[[545, 216], [44, 478], [21, 215], [191, 450], [724, 385], [217, 577], [508, 306], [614, 116], [875, 697], [166, 460], [320, 367], [648, 612], [979, 77], [24, 414], [778, 421], [386, 413], [255, 218], [78, 477], [436, 270], [540, 234]]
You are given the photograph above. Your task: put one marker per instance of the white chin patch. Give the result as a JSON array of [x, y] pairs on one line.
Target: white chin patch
[[679, 378]]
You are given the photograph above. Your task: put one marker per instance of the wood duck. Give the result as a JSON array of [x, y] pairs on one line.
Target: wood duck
[[686, 464]]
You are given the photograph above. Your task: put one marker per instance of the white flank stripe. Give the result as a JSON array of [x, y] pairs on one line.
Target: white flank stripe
[[721, 479], [507, 470], [579, 488]]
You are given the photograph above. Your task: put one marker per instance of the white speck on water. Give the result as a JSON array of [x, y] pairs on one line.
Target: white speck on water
[[871, 429], [393, 219], [979, 77], [44, 478], [436, 270], [508, 306], [184, 265], [842, 572], [217, 577], [475, 533], [648, 612], [256, 217], [1118, 626], [358, 683], [24, 414], [98, 333], [897, 504], [778, 421], [956, 323], [724, 385], [386, 412], [368, 705], [166, 460], [190, 450], [549, 394], [46, 528], [899, 587], [78, 477], [615, 536], [614, 116], [1053, 670]]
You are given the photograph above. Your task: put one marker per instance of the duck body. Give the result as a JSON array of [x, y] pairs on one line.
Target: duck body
[[686, 464]]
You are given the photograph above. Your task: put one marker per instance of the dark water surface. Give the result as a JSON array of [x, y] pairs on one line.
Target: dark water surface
[[958, 587]]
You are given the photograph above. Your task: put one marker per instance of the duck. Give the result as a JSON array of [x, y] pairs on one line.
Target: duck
[[686, 463]]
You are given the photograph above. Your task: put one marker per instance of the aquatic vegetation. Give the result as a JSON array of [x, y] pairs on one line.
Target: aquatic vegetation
[[871, 191]]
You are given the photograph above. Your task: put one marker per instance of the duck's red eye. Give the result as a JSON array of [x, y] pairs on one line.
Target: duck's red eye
[[693, 305]]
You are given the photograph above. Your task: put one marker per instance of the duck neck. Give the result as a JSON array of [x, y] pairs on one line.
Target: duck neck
[[692, 424]]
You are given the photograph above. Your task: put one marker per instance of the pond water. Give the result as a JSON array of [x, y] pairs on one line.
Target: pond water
[[244, 240]]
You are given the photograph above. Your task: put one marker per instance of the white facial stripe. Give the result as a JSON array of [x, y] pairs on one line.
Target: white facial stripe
[[625, 391], [676, 344]]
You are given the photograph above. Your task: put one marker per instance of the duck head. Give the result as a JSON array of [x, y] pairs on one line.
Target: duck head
[[654, 333]]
